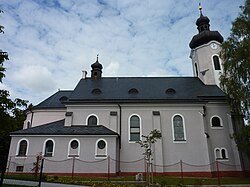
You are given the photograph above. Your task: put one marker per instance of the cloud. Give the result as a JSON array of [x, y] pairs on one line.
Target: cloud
[[51, 42], [35, 78]]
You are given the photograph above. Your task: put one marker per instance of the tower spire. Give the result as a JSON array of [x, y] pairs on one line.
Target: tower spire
[[200, 8]]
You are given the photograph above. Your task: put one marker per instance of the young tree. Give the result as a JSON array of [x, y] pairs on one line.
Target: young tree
[[12, 114], [235, 80], [147, 143]]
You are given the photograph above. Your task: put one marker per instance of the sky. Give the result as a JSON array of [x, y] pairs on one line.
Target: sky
[[50, 42]]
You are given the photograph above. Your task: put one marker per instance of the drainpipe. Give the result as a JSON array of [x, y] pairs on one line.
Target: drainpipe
[[120, 133]]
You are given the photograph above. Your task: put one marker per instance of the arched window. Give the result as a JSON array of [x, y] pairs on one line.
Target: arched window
[[216, 63], [101, 148], [49, 147], [178, 128], [134, 128], [216, 121], [223, 154], [74, 148], [23, 145], [28, 125], [217, 153], [92, 120]]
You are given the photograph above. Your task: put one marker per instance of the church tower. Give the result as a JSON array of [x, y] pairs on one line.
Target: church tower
[[205, 48]]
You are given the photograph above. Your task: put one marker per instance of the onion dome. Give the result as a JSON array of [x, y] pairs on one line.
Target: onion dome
[[96, 72], [205, 35]]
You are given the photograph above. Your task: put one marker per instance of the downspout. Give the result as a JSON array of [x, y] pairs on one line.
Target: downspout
[[120, 133]]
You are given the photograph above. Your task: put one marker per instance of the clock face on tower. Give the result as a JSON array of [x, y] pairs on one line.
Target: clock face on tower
[[213, 45]]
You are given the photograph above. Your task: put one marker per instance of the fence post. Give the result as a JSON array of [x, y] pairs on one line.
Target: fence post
[[73, 168], [108, 167], [218, 172], [41, 173], [181, 172], [8, 168]]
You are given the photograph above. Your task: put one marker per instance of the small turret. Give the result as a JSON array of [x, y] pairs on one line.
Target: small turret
[[96, 72]]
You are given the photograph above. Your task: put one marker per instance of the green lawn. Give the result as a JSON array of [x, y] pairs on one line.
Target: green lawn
[[130, 180]]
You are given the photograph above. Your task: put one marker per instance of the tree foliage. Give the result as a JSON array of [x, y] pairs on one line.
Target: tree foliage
[[243, 140], [235, 80], [235, 53], [12, 112]]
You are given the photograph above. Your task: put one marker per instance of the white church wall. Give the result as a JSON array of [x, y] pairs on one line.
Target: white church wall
[[221, 137], [60, 162], [41, 117]]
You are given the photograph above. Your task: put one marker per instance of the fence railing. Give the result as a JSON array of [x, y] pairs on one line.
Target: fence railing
[[111, 167]]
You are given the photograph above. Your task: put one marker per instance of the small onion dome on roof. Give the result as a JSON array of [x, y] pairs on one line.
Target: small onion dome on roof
[[96, 65], [202, 19]]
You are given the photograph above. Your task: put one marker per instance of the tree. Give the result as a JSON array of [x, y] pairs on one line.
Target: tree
[[147, 143], [235, 80], [12, 114]]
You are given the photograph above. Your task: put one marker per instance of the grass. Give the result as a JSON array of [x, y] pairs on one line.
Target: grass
[[130, 180]]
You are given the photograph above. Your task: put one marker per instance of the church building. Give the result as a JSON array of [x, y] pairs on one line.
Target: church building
[[104, 117]]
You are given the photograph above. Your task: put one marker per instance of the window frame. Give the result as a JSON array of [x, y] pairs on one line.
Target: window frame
[[216, 66], [44, 147], [96, 149], [220, 154], [18, 148], [97, 119], [184, 129], [129, 128], [78, 148], [216, 127]]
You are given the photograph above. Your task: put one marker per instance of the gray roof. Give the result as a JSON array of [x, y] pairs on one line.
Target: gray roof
[[58, 128], [54, 101], [135, 90], [150, 89]]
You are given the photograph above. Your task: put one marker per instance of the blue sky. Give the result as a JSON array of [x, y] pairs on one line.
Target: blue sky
[[50, 42]]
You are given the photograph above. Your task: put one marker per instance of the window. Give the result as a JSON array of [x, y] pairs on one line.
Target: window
[[216, 121], [221, 154], [19, 168], [28, 125], [101, 149], [217, 153], [196, 70], [133, 91], [216, 63], [49, 146], [134, 128], [22, 151], [74, 148], [92, 120], [178, 128]]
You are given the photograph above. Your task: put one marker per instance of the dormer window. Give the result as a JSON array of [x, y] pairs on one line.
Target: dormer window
[[170, 91], [96, 91], [133, 91]]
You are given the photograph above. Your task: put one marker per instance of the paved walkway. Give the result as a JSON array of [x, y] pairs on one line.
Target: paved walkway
[[34, 183]]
